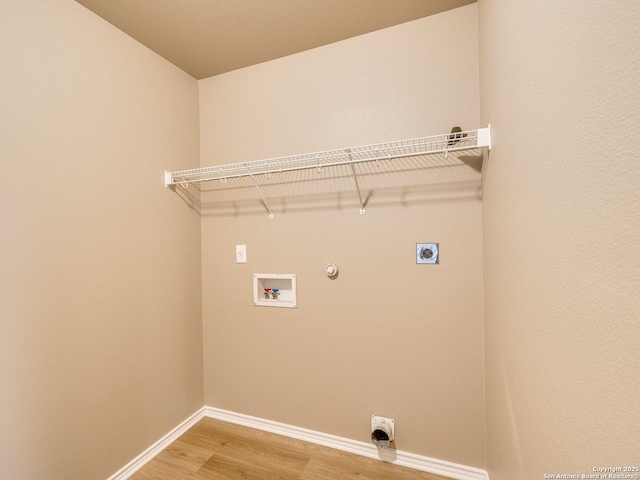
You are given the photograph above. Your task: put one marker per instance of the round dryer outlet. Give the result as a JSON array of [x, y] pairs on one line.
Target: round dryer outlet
[[427, 253]]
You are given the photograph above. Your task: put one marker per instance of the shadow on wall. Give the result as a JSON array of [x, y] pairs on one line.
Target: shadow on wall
[[397, 182]]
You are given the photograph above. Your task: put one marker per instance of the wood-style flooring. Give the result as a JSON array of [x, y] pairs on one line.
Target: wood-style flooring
[[216, 450]]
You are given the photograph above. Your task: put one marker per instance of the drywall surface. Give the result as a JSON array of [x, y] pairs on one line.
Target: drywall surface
[[100, 296], [387, 336], [206, 38], [561, 213]]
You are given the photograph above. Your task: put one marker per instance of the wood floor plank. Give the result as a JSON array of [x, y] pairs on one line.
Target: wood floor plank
[[216, 450], [249, 469], [250, 456], [344, 466], [186, 456]]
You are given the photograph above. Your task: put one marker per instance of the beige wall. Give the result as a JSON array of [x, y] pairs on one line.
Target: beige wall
[[561, 213], [384, 320], [100, 317]]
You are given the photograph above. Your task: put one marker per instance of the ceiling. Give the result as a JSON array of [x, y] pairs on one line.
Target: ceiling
[[209, 37]]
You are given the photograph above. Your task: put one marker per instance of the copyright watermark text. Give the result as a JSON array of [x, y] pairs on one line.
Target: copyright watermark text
[[599, 473]]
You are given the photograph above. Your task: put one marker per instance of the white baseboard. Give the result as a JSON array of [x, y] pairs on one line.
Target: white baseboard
[[405, 459], [141, 460]]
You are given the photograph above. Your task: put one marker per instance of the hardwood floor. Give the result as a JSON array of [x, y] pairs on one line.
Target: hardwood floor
[[216, 450]]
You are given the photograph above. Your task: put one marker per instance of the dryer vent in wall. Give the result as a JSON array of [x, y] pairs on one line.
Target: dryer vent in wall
[[382, 431]]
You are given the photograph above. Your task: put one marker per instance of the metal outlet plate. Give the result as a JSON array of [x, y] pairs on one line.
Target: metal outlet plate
[[427, 253]]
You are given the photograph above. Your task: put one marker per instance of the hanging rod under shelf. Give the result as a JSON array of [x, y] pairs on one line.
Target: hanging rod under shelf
[[436, 144]]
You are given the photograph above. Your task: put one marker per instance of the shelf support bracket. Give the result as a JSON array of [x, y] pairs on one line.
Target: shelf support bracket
[[484, 137], [355, 179], [264, 200]]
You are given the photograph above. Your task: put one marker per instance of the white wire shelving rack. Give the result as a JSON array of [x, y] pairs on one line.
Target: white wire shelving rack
[[478, 140]]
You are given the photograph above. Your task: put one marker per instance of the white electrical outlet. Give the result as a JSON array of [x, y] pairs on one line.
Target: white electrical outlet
[[241, 254], [427, 253]]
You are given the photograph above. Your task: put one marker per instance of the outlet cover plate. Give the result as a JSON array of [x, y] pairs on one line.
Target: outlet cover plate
[[241, 254], [427, 253]]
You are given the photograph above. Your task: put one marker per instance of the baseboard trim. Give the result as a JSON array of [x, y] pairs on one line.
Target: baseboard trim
[[145, 457], [406, 459]]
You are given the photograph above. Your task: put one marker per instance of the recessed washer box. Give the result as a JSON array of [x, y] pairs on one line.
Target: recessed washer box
[[285, 283]]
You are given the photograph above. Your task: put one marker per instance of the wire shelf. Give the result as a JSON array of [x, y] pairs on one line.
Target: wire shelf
[[479, 139]]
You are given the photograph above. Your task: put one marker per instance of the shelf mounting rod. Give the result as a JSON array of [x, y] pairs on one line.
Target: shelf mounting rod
[[264, 200], [355, 179]]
